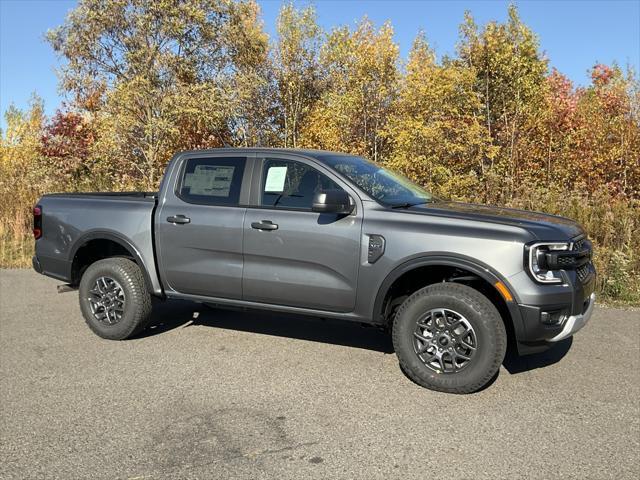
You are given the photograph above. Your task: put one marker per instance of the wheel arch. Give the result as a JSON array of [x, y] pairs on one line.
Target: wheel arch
[[509, 310], [85, 251]]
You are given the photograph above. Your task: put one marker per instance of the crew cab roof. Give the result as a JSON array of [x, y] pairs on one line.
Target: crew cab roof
[[317, 154]]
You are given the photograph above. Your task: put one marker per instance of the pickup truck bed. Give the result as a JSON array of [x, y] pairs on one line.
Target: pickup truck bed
[[70, 222]]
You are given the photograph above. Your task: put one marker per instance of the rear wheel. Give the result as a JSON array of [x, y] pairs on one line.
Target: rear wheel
[[449, 337], [114, 299]]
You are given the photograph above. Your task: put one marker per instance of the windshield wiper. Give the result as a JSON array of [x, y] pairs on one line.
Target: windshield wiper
[[408, 204]]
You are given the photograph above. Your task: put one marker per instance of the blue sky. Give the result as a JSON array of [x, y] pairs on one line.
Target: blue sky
[[574, 34]]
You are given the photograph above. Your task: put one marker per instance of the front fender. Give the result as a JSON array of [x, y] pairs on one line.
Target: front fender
[[450, 260]]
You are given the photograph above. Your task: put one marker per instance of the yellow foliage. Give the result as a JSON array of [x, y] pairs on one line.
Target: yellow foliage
[[491, 124]]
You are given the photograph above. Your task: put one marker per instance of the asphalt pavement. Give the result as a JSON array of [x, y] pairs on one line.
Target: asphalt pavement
[[209, 394]]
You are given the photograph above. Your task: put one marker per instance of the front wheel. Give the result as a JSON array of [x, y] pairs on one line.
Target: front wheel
[[114, 299], [450, 338]]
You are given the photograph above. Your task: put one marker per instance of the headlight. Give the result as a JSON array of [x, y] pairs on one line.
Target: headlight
[[537, 261]]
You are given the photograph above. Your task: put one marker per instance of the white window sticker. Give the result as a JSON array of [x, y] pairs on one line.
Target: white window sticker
[[211, 180], [275, 179]]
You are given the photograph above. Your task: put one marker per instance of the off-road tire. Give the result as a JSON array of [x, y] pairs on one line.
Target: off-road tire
[[137, 308], [479, 312]]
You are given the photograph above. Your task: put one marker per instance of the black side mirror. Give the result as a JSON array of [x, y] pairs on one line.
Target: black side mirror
[[333, 201]]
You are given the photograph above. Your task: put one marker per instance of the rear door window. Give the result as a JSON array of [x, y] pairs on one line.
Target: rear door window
[[212, 181]]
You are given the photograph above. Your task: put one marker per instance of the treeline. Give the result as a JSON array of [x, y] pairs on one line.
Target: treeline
[[493, 123]]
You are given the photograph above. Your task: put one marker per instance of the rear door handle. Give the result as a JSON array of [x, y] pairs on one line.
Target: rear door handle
[[180, 219], [264, 225]]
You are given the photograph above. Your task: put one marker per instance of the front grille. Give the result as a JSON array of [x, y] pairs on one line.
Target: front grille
[[583, 272], [578, 244], [565, 261]]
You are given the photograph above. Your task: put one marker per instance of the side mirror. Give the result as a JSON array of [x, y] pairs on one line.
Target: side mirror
[[333, 201]]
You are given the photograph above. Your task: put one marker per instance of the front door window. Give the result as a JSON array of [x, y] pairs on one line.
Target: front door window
[[292, 185]]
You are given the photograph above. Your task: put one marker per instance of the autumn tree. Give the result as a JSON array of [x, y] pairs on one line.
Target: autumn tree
[[164, 66], [607, 143], [21, 146], [550, 151], [361, 85], [510, 78], [146, 78], [249, 89], [297, 69], [585, 138], [23, 175], [65, 145], [438, 136]]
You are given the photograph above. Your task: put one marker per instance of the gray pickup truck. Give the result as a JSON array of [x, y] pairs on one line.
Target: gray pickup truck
[[329, 235]]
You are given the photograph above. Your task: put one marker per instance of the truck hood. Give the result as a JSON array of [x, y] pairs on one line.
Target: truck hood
[[543, 226]]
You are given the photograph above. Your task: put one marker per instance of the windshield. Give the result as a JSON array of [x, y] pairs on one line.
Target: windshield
[[384, 185]]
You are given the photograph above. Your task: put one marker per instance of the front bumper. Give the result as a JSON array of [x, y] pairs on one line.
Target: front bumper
[[573, 300], [575, 322]]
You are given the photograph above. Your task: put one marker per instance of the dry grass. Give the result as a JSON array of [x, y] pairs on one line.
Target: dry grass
[[16, 240], [611, 222]]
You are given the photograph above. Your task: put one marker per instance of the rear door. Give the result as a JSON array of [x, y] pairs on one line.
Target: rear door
[[294, 256], [199, 225]]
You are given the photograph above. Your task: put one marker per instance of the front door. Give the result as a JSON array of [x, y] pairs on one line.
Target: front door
[[199, 227], [293, 256]]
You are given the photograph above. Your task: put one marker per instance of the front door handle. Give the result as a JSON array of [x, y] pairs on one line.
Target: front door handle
[[264, 225], [179, 219]]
